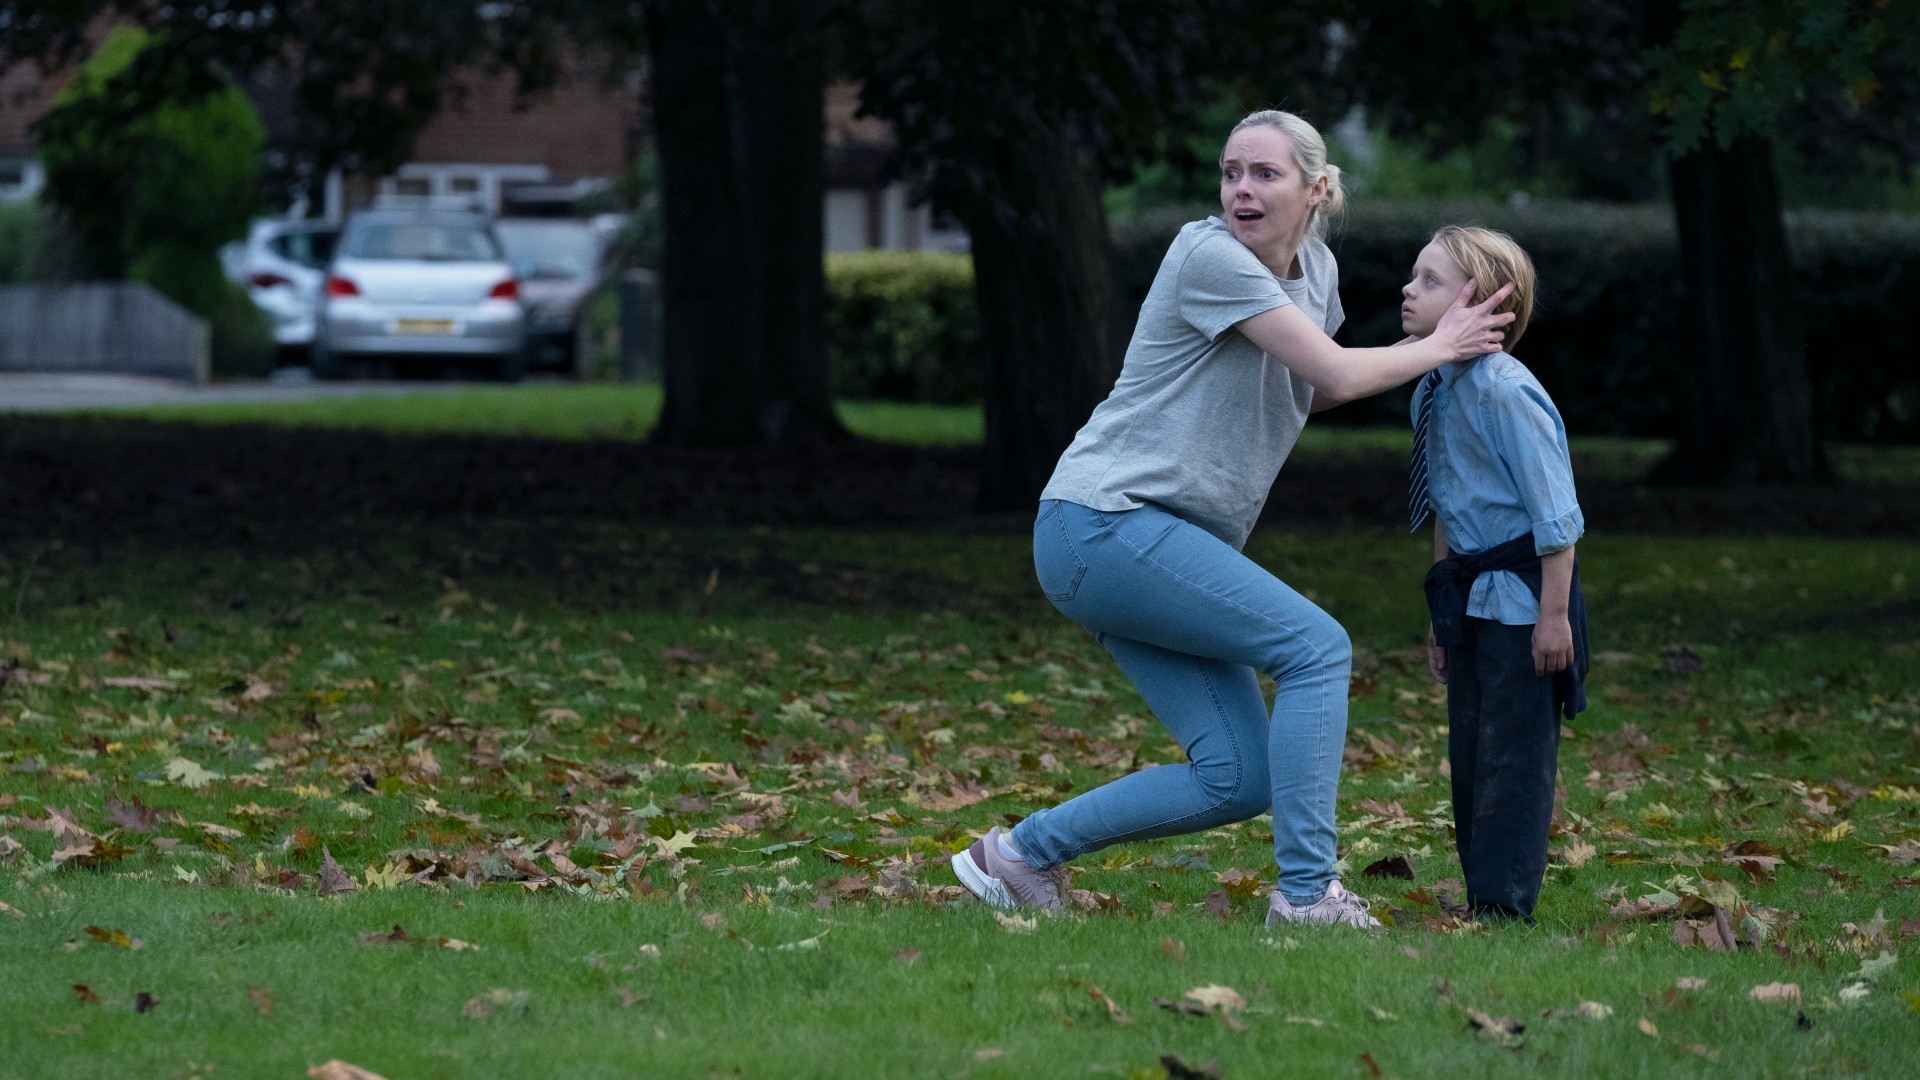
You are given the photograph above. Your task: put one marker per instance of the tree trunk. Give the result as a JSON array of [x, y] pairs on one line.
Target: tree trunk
[[738, 94], [1045, 294], [780, 145], [1751, 419]]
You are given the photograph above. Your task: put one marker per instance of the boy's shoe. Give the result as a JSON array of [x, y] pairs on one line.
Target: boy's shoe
[[1337, 907], [1004, 882]]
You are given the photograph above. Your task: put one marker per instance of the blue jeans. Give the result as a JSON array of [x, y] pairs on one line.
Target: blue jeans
[[1192, 622]]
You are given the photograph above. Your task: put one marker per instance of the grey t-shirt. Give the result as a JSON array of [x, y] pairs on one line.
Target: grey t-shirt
[[1201, 419]]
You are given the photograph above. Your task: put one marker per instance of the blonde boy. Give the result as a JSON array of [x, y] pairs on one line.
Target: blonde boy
[[1508, 636]]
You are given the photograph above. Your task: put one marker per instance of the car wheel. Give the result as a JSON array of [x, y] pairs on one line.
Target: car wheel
[[324, 362]]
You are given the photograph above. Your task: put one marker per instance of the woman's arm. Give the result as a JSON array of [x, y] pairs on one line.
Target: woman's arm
[[1289, 336]]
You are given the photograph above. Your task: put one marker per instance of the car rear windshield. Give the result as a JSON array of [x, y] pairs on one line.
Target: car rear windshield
[[308, 248], [422, 240], [552, 249]]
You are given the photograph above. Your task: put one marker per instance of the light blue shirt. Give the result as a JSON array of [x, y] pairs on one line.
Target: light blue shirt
[[1497, 468]]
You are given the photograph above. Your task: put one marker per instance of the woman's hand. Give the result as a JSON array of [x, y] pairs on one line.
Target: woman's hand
[[1468, 331], [1436, 659]]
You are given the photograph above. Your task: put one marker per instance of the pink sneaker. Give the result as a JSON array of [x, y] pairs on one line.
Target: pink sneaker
[[1337, 907], [1004, 882]]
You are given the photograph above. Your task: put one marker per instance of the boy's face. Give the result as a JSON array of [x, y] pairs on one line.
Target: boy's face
[[1436, 283]]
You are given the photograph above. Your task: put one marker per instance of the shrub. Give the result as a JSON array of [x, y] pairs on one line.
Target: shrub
[[1606, 333], [901, 326], [240, 339]]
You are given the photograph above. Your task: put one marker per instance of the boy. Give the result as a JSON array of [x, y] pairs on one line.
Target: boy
[[1508, 636]]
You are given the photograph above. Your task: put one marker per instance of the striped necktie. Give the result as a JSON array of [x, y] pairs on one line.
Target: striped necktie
[[1418, 507]]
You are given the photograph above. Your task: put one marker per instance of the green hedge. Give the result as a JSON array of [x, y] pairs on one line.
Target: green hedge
[[1606, 336], [901, 326]]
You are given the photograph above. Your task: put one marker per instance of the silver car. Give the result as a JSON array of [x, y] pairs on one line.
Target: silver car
[[561, 262], [423, 285], [282, 264]]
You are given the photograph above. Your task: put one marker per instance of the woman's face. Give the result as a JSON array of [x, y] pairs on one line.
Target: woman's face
[[1435, 284], [1265, 199]]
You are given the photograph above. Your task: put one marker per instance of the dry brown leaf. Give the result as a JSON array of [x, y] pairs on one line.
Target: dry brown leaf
[[1173, 949], [340, 1070], [1578, 852], [1776, 992], [262, 999], [334, 881], [1647, 1028], [908, 957], [85, 994]]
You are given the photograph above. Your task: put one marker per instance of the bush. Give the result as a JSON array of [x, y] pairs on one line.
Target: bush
[[1606, 331], [901, 326], [240, 339], [35, 245]]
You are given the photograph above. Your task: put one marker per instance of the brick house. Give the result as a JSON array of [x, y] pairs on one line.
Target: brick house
[[565, 143]]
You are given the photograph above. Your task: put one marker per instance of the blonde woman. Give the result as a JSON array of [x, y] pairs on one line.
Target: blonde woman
[[1139, 533]]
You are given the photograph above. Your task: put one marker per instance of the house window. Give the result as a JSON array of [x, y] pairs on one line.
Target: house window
[[413, 185], [464, 185]]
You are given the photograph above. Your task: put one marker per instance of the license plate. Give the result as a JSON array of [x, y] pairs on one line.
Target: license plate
[[423, 326]]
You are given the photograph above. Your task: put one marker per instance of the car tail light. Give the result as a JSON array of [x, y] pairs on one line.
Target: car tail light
[[263, 279], [506, 290], [339, 286]]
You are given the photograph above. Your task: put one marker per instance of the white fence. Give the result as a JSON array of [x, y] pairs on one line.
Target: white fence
[[115, 327]]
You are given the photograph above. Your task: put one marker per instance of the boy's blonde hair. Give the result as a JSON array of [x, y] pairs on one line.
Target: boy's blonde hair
[[1491, 259]]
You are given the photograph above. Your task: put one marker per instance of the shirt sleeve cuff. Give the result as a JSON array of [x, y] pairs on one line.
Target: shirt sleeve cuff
[[1560, 533]]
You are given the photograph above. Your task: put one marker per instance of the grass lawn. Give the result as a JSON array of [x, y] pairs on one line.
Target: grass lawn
[[703, 832]]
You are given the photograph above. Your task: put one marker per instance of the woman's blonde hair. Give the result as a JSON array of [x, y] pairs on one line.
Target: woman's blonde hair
[[1491, 259], [1310, 156]]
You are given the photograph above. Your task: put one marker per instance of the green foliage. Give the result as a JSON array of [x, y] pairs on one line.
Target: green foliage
[[135, 178], [35, 245], [902, 326], [241, 338], [1608, 336]]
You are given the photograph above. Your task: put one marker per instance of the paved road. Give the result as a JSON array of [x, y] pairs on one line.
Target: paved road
[[22, 392]]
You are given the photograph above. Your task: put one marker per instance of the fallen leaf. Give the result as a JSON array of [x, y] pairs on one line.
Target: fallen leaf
[[1180, 1070], [1373, 1067], [396, 936], [988, 1053], [1776, 992], [456, 945], [334, 881], [1187, 1008], [262, 999], [143, 1002], [189, 774], [113, 937], [1647, 1028], [1578, 852], [85, 994], [1016, 924], [1173, 949], [340, 1070], [1586, 1010], [628, 997], [1689, 982], [1114, 1012], [1393, 866], [1215, 996], [1680, 660], [1498, 1030], [1906, 851], [908, 957], [481, 1006]]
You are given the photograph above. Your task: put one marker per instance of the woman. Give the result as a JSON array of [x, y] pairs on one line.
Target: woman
[[1139, 534]]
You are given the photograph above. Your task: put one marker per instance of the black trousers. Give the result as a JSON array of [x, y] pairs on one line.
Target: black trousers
[[1503, 745]]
